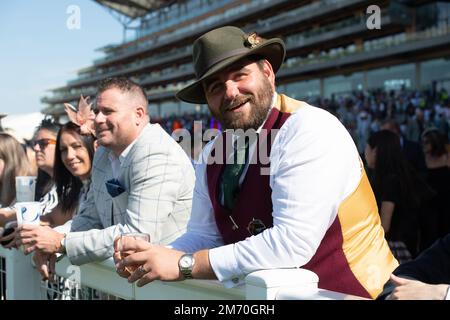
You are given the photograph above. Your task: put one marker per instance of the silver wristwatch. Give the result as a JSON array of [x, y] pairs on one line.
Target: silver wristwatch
[[63, 245], [186, 264]]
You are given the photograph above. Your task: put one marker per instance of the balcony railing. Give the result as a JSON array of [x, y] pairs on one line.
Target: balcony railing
[[229, 17], [282, 21], [183, 12], [175, 55], [138, 66], [377, 48], [22, 281]]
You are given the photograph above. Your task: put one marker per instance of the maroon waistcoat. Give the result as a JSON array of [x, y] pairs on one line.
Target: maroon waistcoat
[[254, 199], [254, 202]]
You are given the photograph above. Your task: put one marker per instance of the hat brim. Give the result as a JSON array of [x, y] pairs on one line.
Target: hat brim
[[272, 50]]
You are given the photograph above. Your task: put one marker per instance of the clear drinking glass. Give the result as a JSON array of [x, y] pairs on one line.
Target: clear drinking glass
[[123, 253]]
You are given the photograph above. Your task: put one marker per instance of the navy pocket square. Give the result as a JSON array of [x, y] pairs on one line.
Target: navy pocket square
[[114, 187]]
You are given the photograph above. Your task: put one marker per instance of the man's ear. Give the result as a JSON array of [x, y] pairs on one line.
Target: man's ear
[[268, 71], [140, 114]]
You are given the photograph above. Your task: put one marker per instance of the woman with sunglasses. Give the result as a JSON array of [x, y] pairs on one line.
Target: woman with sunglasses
[[44, 146]]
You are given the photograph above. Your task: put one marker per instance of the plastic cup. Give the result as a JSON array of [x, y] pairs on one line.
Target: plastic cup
[[25, 188], [28, 212]]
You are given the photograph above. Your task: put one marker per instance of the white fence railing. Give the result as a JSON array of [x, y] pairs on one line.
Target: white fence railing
[[22, 281]]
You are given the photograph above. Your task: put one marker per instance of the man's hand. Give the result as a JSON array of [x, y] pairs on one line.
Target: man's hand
[[43, 238], [10, 238], [45, 264], [148, 262], [156, 263], [406, 289], [124, 246]]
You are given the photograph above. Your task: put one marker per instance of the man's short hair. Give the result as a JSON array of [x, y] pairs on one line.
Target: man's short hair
[[125, 85]]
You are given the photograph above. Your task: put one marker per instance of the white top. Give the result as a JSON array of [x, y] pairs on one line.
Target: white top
[[116, 162], [49, 201], [314, 166]]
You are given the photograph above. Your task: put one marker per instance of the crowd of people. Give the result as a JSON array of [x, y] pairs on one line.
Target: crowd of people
[[367, 187], [414, 111]]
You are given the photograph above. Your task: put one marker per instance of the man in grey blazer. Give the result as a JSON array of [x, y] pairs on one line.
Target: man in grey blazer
[[142, 180]]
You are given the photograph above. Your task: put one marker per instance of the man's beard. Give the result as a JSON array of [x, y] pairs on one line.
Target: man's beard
[[260, 104]]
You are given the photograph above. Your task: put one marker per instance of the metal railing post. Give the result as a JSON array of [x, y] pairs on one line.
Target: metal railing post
[[22, 280]]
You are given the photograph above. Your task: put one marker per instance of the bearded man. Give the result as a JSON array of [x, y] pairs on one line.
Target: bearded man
[[309, 206]]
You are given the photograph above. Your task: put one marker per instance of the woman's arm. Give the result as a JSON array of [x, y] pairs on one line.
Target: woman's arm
[[56, 217], [386, 212], [6, 215]]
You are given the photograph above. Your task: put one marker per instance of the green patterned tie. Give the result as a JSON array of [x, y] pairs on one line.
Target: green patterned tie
[[233, 171]]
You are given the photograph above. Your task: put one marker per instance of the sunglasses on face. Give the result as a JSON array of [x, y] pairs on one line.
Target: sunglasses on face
[[43, 143]]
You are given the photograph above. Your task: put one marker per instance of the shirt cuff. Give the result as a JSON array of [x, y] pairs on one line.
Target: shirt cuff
[[65, 228], [59, 256], [225, 266]]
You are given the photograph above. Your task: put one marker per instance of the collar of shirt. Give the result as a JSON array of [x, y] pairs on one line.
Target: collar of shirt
[[85, 189], [274, 101], [86, 184], [116, 162]]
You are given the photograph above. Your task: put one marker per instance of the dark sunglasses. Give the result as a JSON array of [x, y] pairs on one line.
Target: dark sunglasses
[[43, 143]]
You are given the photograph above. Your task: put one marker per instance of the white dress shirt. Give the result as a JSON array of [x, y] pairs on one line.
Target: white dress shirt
[[116, 162], [314, 166]]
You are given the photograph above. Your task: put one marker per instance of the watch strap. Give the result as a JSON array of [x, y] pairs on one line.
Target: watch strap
[[187, 271], [62, 248]]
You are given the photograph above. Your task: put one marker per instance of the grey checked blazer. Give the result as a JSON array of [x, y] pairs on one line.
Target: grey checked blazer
[[158, 179]]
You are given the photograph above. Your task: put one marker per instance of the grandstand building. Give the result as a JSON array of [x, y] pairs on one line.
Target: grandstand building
[[333, 46]]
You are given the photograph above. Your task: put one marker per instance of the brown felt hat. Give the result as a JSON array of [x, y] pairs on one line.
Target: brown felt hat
[[220, 48]]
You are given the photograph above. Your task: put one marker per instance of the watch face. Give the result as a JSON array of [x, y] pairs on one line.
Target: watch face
[[186, 262]]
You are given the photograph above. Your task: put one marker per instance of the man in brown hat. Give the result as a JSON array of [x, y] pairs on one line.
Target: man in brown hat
[[315, 210]]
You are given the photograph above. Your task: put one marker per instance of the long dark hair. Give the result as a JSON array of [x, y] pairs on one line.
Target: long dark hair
[[389, 162], [68, 186], [44, 182], [436, 140]]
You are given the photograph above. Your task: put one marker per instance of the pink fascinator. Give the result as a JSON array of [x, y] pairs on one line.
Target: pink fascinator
[[83, 117]]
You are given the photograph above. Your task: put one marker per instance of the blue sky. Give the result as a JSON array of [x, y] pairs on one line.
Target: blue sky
[[39, 52]]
